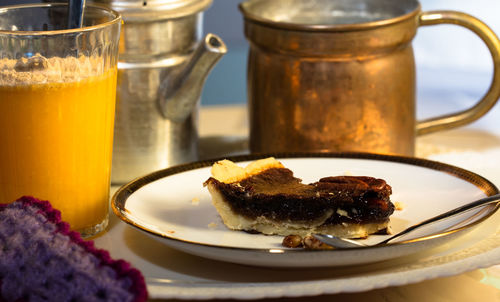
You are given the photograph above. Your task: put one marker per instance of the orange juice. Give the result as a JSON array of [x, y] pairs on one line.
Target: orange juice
[[56, 145]]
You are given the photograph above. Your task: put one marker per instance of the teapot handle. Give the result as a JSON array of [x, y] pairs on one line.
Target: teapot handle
[[467, 116]]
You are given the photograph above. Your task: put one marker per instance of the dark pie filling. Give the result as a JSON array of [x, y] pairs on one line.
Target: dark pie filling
[[276, 194]]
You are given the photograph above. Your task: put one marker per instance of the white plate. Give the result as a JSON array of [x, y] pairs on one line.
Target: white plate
[[172, 206]]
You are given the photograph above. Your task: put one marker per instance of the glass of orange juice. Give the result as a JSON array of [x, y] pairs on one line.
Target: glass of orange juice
[[57, 106]]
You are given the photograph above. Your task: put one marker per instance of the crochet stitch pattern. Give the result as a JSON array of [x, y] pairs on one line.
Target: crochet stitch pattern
[[41, 259]]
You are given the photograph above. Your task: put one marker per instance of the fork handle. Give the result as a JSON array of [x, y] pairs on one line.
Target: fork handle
[[462, 209]]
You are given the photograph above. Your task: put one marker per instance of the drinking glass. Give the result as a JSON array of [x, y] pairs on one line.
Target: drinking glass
[[57, 106]]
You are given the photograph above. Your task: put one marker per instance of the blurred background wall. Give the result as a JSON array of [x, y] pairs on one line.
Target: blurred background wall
[[452, 63]]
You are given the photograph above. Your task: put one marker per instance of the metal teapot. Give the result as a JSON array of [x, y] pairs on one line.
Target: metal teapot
[[163, 64]]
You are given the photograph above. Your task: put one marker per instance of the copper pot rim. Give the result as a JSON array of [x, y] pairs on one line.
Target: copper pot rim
[[254, 18]]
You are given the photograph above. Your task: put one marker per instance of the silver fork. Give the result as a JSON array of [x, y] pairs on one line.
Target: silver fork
[[340, 243]]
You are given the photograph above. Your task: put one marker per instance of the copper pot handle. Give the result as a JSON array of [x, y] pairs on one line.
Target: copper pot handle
[[467, 116]]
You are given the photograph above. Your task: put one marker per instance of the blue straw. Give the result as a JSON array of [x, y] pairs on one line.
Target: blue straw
[[75, 13]]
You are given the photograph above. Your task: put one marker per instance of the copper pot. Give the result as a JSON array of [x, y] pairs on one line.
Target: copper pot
[[340, 75]]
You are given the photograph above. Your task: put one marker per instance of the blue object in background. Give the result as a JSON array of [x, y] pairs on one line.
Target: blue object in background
[[226, 84]]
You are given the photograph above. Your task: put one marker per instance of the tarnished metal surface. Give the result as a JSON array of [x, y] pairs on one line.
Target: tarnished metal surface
[[339, 75], [163, 62], [153, 10]]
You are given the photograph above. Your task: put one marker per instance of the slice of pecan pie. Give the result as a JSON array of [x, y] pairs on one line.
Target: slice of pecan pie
[[265, 197]]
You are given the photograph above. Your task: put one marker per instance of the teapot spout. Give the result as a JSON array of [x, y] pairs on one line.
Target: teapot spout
[[179, 94]]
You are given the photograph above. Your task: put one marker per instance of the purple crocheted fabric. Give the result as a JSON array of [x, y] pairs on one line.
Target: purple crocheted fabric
[[42, 260]]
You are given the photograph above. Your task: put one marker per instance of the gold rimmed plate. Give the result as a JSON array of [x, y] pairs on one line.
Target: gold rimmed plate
[[173, 207]]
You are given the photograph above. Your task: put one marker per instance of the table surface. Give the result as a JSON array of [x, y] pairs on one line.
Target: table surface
[[475, 147]]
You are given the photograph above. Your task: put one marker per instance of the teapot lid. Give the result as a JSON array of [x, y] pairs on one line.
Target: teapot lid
[[147, 10]]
